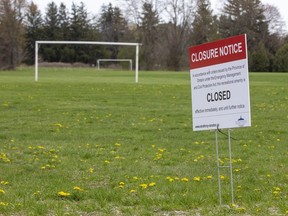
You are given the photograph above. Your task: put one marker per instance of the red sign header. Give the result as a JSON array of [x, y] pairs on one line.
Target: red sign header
[[218, 52]]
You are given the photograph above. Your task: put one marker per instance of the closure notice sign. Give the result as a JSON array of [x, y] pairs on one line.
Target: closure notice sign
[[220, 84]]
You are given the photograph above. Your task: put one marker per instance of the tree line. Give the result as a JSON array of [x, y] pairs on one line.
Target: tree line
[[166, 29]]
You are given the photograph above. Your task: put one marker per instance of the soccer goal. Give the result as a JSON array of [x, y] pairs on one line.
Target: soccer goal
[[115, 60], [38, 43]]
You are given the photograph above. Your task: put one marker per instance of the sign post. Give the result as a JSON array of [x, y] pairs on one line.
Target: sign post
[[220, 90]]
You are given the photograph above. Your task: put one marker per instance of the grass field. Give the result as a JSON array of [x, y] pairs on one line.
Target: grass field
[[83, 142]]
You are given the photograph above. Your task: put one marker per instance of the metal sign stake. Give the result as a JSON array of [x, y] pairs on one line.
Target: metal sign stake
[[219, 167]]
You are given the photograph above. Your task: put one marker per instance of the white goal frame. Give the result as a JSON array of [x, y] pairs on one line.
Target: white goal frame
[[114, 60], [38, 43]]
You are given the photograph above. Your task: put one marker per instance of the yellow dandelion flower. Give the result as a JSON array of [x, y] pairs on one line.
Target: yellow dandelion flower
[[170, 179], [276, 192], [36, 193], [197, 178], [4, 204], [4, 183], [152, 184], [63, 194], [107, 161], [2, 191], [78, 188], [132, 191], [59, 125], [143, 186], [209, 177], [135, 178], [91, 170], [121, 183], [222, 177], [117, 144], [277, 189], [185, 179]]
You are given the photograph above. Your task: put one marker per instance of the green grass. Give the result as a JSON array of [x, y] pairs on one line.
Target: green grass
[[120, 148]]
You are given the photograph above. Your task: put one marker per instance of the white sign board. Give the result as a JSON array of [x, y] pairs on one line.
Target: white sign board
[[220, 84]]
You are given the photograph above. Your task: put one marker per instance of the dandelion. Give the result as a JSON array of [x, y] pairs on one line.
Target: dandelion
[[63, 194], [59, 125], [4, 183], [4, 158], [78, 188], [209, 177], [170, 179], [143, 186], [222, 177], [185, 179], [117, 144], [106, 161], [121, 184], [91, 170], [197, 178], [2, 191], [4, 204], [152, 184], [36, 193], [132, 191], [135, 178]]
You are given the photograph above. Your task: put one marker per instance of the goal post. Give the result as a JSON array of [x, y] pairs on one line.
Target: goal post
[[38, 43], [115, 60]]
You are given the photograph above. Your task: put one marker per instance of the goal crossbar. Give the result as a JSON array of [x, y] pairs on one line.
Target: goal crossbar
[[114, 60], [37, 43]]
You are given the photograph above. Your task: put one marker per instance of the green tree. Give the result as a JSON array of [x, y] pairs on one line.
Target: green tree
[[113, 27], [281, 63], [33, 31], [259, 59], [245, 16], [11, 33], [51, 32], [149, 34], [64, 22], [204, 24]]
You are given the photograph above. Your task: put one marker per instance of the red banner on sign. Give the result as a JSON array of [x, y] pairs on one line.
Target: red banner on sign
[[218, 52]]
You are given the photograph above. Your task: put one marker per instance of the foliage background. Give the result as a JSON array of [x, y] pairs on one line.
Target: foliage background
[[165, 28]]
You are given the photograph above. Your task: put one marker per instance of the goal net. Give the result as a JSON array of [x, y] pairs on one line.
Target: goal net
[[136, 45], [115, 60]]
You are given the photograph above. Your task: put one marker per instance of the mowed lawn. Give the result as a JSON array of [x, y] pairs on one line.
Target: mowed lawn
[[88, 142]]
